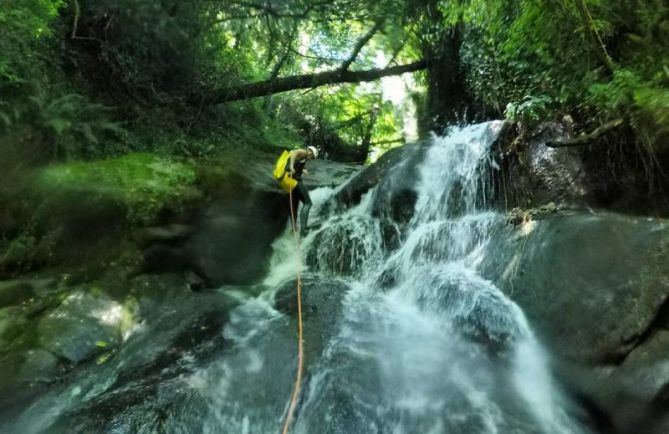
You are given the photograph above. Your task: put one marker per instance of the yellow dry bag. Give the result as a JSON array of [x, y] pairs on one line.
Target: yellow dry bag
[[285, 181]]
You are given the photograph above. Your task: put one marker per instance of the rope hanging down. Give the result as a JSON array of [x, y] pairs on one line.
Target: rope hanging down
[[300, 353]]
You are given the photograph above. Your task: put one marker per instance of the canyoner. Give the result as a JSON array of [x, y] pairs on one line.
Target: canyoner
[[288, 171]]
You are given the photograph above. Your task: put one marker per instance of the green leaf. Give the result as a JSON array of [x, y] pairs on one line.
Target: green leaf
[[101, 344], [59, 125], [635, 38], [88, 133], [5, 119], [103, 358]]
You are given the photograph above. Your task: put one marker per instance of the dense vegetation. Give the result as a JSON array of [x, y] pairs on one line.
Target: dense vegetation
[[84, 79], [596, 59]]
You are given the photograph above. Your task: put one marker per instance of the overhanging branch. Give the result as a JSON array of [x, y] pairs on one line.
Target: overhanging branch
[[360, 44], [586, 139], [306, 81]]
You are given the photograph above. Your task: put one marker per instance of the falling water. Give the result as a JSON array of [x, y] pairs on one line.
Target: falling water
[[406, 338], [440, 349]]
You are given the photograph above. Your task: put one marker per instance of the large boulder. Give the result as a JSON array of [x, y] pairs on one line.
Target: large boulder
[[15, 292], [145, 378], [615, 171], [321, 309], [591, 283], [395, 173], [531, 173], [595, 287], [81, 327], [228, 240]]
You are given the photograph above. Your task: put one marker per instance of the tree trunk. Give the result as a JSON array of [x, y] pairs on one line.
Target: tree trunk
[[306, 81]]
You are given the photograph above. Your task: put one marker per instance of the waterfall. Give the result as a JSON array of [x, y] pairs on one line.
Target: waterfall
[[440, 349], [400, 337], [423, 344]]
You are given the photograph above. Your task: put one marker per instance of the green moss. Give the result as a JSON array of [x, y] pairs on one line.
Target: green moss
[[142, 183]]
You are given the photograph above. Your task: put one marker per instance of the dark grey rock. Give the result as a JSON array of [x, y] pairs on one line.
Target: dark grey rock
[[10, 319], [533, 174], [591, 284], [645, 371], [613, 172], [595, 287], [321, 309], [402, 161], [164, 234], [233, 240], [39, 365], [229, 242], [15, 292], [556, 175], [632, 393], [74, 328]]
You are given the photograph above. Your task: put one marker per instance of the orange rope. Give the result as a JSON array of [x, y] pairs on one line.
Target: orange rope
[[300, 352]]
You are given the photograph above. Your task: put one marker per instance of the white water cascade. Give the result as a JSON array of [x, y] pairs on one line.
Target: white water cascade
[[403, 334], [423, 343]]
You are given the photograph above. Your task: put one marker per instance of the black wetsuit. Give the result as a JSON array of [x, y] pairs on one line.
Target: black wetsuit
[[301, 194]]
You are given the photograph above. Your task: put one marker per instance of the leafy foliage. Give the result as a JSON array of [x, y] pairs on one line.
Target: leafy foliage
[[547, 56], [25, 26]]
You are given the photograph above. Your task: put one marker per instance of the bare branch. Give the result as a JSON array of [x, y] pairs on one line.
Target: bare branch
[[585, 139], [360, 44], [396, 53], [594, 36], [388, 142], [307, 56], [77, 15], [269, 87]]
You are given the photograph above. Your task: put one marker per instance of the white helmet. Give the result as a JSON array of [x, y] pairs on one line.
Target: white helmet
[[313, 150]]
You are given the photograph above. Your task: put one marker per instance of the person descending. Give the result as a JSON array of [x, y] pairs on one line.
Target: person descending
[[289, 171], [296, 168]]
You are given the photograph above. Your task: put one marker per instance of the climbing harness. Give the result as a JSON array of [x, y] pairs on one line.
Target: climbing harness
[[300, 353]]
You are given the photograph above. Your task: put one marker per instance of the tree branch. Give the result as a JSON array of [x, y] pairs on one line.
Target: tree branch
[[388, 142], [585, 139], [307, 56], [268, 10], [360, 44], [306, 81], [77, 15], [590, 28], [396, 53], [284, 57]]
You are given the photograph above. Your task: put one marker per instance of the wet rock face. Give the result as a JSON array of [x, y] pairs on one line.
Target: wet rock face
[[234, 237], [145, 377], [395, 172], [47, 331], [595, 288], [229, 240], [13, 293], [531, 174], [227, 243], [613, 172], [592, 283], [81, 327], [321, 309]]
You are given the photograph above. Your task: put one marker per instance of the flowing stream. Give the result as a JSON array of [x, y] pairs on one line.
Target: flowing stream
[[402, 336]]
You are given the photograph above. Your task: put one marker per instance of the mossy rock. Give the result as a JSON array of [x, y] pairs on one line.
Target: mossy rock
[[141, 184], [237, 172]]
